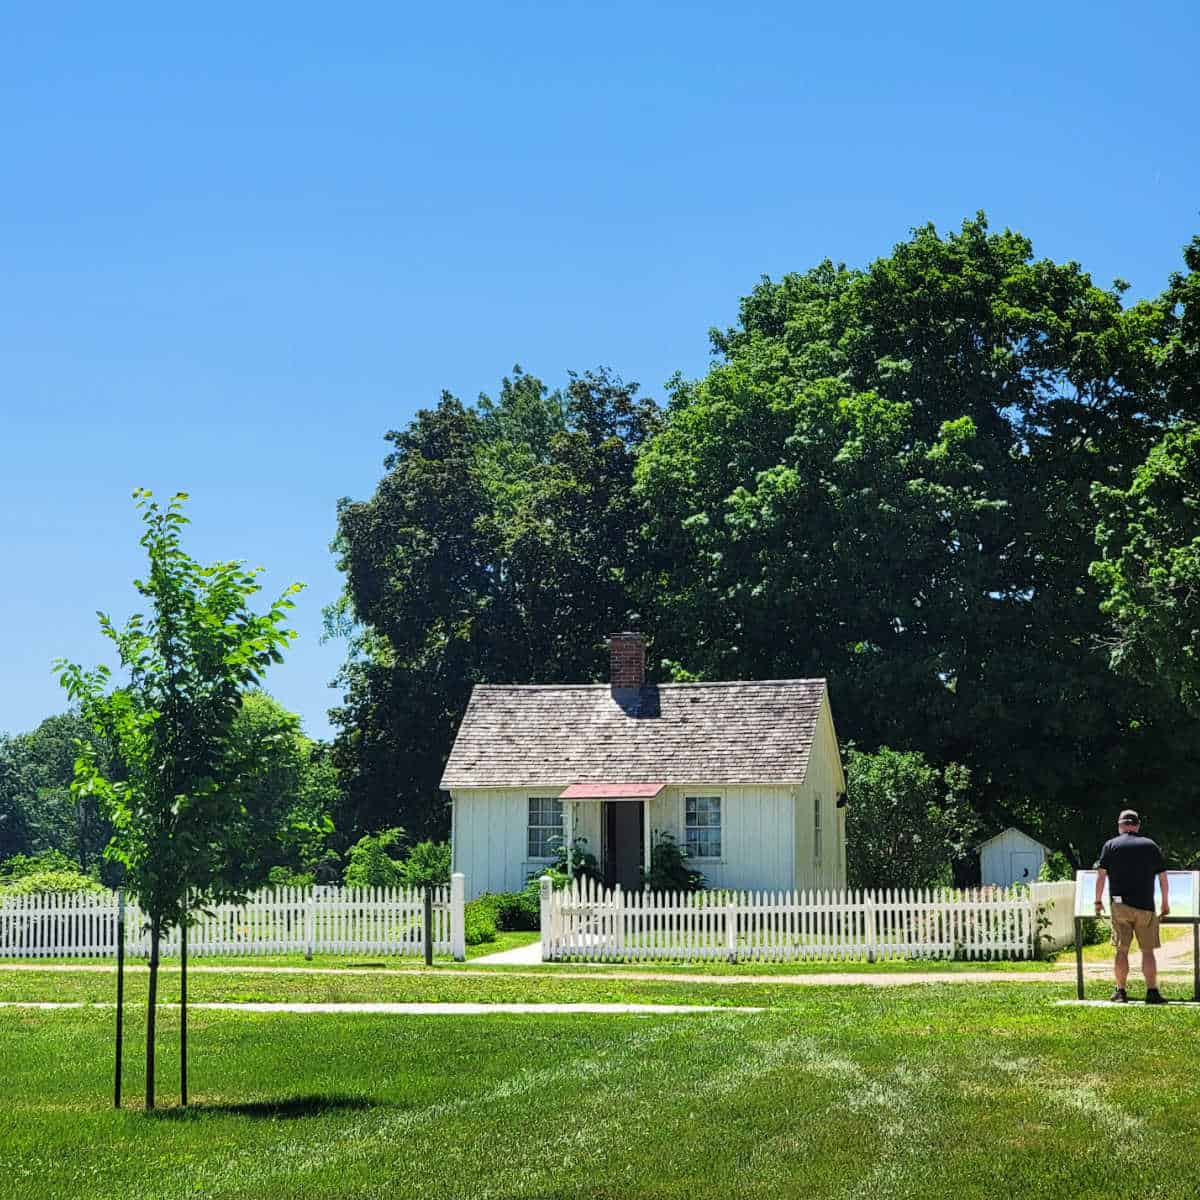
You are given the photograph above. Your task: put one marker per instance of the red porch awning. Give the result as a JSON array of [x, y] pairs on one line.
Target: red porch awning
[[611, 791]]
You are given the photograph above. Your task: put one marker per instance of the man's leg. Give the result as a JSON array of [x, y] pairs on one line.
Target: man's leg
[[1149, 969], [1121, 966]]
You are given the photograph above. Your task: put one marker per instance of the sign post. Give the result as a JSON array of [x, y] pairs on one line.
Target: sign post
[[120, 993]]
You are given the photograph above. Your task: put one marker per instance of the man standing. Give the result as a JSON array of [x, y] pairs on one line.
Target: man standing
[[1130, 862]]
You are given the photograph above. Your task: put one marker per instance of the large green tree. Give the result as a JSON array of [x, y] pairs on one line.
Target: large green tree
[[1150, 572], [501, 544], [37, 809], [1149, 534], [885, 478], [286, 788], [181, 831]]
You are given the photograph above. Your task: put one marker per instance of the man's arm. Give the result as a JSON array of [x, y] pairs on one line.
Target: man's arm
[[1101, 879], [1166, 899]]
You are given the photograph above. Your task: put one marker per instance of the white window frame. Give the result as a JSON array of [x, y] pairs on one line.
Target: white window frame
[[541, 827], [718, 795]]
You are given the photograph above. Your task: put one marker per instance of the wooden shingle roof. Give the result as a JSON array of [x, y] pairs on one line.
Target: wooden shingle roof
[[525, 735]]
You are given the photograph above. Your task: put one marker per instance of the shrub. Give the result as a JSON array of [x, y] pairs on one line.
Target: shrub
[[479, 921], [20, 865], [286, 877], [1056, 868], [427, 865], [41, 882], [515, 910], [370, 864], [583, 862], [669, 870], [907, 821]]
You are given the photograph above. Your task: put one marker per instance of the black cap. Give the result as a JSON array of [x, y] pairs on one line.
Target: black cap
[[1128, 817]]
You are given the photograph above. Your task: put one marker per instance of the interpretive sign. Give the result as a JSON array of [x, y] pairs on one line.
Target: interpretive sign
[[1183, 889]]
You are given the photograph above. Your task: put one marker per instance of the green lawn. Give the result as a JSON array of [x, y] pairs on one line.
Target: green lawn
[[958, 1090], [509, 941]]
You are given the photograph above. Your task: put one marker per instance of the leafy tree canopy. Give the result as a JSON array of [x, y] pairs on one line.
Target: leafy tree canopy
[[1149, 533], [37, 810], [908, 821], [501, 544], [885, 479]]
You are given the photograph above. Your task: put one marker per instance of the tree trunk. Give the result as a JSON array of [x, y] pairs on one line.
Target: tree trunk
[[152, 1009]]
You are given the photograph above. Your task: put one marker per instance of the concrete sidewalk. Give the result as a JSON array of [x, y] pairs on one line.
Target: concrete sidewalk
[[522, 956]]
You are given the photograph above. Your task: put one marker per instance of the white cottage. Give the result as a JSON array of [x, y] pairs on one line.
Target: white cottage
[[746, 776]]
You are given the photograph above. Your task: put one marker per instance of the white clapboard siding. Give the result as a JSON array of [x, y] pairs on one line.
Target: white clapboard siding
[[322, 920], [589, 922]]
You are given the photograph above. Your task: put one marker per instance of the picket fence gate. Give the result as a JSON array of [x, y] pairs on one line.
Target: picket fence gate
[[588, 921], [320, 920]]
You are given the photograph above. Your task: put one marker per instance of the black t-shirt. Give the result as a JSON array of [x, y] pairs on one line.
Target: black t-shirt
[[1132, 861]]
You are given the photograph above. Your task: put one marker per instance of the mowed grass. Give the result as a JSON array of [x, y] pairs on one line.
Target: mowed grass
[[963, 1090]]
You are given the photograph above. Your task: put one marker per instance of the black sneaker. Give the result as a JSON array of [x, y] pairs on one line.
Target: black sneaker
[[1154, 996], [1119, 997]]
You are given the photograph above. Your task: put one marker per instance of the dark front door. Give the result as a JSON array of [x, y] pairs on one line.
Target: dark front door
[[623, 832]]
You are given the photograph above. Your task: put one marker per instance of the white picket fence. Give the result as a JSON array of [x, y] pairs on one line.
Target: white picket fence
[[587, 921], [322, 920]]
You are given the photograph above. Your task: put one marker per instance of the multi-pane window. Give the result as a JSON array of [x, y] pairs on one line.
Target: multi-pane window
[[545, 826], [702, 826], [817, 830]]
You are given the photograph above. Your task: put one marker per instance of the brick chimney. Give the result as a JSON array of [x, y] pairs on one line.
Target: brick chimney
[[627, 660]]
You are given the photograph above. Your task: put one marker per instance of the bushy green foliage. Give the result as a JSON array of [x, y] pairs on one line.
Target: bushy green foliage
[[37, 810], [45, 881], [583, 863], [1055, 868], [287, 877], [46, 871], [17, 866], [427, 865], [1150, 572], [669, 870], [479, 922], [907, 820], [369, 863], [513, 911]]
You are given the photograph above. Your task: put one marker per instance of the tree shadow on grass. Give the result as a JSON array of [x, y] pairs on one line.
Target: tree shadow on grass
[[285, 1109]]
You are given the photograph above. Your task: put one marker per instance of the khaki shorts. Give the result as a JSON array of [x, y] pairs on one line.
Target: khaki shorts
[[1127, 921]]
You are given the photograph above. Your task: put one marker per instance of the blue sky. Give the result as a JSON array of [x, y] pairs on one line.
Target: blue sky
[[238, 245]]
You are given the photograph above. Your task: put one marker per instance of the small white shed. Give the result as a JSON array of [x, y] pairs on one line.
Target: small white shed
[[1011, 857]]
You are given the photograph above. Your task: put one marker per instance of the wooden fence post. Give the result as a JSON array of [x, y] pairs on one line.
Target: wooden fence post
[[731, 930], [458, 926], [872, 930], [545, 895], [310, 922], [428, 925]]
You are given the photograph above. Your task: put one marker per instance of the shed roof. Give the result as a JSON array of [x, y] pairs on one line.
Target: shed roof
[[1007, 834], [544, 735]]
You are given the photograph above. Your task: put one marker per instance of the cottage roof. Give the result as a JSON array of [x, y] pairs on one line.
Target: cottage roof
[[527, 735]]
